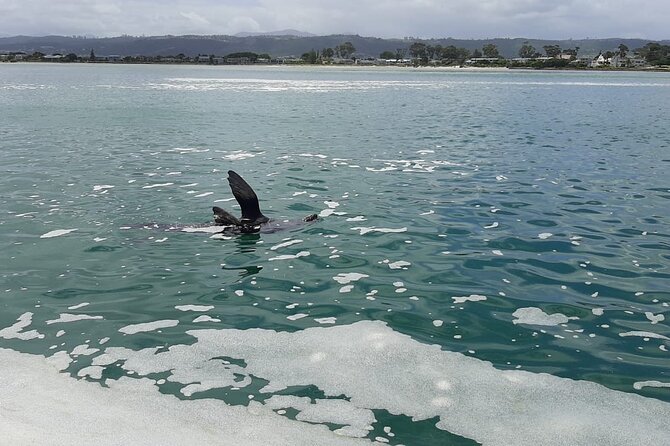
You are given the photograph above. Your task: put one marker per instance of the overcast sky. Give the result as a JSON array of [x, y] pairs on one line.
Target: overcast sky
[[548, 19]]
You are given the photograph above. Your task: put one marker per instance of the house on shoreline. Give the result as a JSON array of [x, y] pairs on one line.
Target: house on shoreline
[[617, 61]]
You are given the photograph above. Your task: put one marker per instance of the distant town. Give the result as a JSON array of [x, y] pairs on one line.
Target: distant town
[[652, 55]]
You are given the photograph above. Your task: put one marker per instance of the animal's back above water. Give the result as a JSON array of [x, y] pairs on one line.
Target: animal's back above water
[[252, 219]]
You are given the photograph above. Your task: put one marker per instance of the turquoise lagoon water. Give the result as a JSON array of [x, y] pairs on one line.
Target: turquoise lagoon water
[[516, 218]]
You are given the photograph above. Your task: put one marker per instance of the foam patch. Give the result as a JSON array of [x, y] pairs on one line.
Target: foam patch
[[391, 371], [46, 407]]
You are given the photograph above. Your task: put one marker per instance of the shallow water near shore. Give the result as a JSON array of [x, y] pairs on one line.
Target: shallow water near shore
[[492, 254]]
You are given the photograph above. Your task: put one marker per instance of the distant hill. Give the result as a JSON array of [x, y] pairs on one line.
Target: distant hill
[[281, 45], [284, 32]]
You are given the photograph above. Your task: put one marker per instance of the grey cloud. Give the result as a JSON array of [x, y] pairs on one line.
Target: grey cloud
[[384, 18]]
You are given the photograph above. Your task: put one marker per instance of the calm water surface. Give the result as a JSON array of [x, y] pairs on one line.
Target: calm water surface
[[456, 198]]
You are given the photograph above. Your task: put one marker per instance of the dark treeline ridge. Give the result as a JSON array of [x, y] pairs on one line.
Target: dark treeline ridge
[[284, 46]]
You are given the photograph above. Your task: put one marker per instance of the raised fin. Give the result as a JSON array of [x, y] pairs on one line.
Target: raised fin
[[246, 197], [223, 217]]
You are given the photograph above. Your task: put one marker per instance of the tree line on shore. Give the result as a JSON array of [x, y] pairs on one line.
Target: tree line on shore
[[417, 54], [554, 56], [422, 54]]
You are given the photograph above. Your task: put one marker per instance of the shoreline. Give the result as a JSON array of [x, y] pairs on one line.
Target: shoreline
[[453, 68]]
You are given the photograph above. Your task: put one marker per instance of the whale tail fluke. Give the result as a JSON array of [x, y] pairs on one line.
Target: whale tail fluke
[[246, 197], [224, 218]]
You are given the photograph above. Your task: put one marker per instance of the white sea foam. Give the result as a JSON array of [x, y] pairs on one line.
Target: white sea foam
[[295, 317], [194, 307], [57, 233], [148, 326], [83, 350], [381, 169], [364, 230], [290, 256], [357, 422], [325, 320], [641, 384], [344, 278], [204, 194], [205, 318], [400, 264], [59, 360], [284, 244], [78, 306], [391, 371], [313, 155], [67, 317], [100, 187], [43, 401], [544, 235], [205, 229], [15, 331], [330, 210], [326, 212], [535, 316], [239, 155], [470, 298], [185, 150], [93, 371], [151, 186], [654, 318], [644, 334]]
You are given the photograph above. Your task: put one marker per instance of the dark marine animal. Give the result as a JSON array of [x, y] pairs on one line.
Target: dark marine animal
[[252, 220]]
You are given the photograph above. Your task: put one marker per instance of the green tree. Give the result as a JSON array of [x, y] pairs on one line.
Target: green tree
[[419, 51], [36, 56], [71, 57], [454, 54], [437, 52], [476, 53], [387, 55], [490, 50], [552, 50], [345, 50], [571, 51], [431, 51], [400, 53], [310, 57], [91, 57], [253, 57], [623, 50], [655, 53], [327, 53], [527, 50]]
